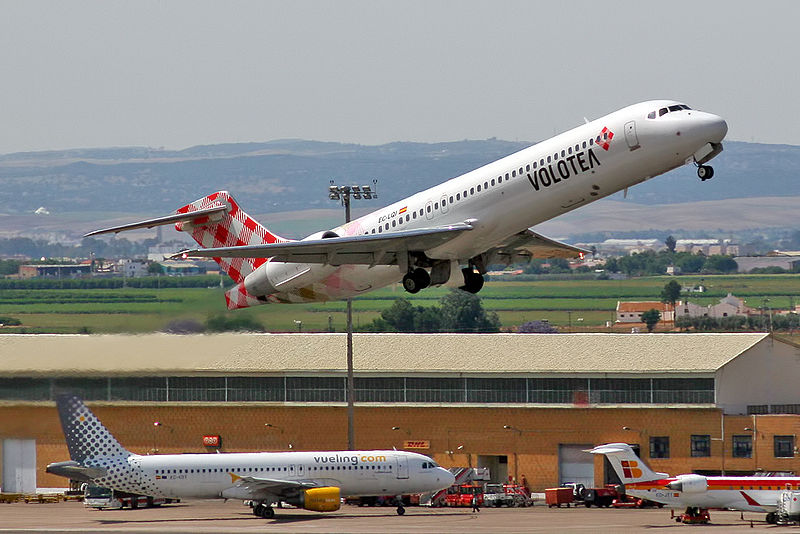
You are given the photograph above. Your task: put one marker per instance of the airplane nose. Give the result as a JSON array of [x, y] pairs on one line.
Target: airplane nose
[[712, 128], [449, 478]]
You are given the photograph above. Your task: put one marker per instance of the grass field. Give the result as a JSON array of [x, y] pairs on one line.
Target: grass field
[[581, 303]]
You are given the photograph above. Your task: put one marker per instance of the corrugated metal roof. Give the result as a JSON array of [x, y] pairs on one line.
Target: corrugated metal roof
[[158, 354]]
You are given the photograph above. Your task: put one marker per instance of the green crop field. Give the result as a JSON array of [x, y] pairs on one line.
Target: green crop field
[[583, 304]]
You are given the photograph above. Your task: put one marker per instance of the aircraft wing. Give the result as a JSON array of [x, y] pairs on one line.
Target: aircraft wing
[[528, 245], [262, 487], [372, 249]]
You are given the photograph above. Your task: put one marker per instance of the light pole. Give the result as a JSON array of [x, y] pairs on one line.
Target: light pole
[[343, 193]]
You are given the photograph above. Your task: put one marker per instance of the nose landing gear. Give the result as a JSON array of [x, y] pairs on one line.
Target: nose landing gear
[[705, 172]]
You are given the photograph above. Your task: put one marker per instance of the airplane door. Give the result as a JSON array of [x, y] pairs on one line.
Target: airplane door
[[292, 471], [630, 135], [300, 471], [402, 466], [443, 204], [429, 209]]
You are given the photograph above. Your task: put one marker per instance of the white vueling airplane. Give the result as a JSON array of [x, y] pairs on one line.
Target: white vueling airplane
[[696, 493], [476, 219], [311, 480]]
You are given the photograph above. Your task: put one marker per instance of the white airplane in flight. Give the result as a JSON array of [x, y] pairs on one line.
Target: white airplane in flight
[[696, 493], [311, 480], [471, 221]]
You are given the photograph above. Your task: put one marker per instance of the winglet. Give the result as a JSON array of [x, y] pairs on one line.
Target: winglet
[[234, 478]]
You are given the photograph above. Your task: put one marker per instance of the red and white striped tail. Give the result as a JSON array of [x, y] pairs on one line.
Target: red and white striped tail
[[234, 228]]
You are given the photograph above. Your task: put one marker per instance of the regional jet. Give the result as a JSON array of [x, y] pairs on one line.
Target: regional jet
[[311, 480], [696, 493], [450, 233]]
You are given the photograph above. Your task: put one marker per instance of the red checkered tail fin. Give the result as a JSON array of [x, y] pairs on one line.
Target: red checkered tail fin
[[628, 466], [230, 227]]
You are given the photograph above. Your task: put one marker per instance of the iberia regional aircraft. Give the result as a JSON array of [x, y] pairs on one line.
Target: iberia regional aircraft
[[696, 493], [450, 233], [313, 480]]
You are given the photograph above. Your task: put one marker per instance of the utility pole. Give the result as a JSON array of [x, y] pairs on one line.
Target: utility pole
[[343, 193]]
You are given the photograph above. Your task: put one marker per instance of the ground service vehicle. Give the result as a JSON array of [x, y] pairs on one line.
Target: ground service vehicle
[[498, 495], [108, 499], [558, 496], [462, 495]]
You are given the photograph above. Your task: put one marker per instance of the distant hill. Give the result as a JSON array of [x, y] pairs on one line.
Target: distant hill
[[293, 175]]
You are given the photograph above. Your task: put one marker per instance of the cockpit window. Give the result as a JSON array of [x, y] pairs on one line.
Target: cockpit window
[[663, 111]]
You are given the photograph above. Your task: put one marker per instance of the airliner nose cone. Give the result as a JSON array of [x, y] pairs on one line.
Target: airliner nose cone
[[719, 128], [712, 128]]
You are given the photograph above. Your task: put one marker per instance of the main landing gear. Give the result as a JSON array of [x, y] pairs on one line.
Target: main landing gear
[[705, 172], [264, 510], [416, 280], [473, 281]]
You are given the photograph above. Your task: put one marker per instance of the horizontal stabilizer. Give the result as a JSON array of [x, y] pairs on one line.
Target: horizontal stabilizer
[[160, 221], [75, 471]]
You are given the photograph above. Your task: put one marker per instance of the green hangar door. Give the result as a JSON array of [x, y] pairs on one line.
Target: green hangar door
[[576, 466]]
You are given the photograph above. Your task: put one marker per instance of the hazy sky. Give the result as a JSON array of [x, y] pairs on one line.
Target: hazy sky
[[181, 73]]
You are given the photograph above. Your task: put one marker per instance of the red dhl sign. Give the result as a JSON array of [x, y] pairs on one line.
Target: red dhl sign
[[211, 441], [417, 444]]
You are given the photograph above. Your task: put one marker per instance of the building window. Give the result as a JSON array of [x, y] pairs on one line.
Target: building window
[[742, 447], [659, 447], [701, 445], [784, 446]]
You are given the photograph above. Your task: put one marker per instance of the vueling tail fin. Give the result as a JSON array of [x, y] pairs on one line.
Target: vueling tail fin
[[87, 438], [230, 228], [629, 467]]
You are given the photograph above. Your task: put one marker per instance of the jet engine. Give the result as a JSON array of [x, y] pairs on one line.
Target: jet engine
[[275, 276], [689, 484], [326, 499]]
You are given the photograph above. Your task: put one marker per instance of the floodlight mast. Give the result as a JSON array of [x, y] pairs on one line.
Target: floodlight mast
[[343, 193]]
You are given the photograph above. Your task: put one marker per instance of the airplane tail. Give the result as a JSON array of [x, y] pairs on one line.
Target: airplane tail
[[629, 467], [87, 438], [229, 228]]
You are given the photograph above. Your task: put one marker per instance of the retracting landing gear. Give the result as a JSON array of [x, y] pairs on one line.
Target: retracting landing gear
[[264, 510], [705, 172], [473, 282], [416, 280]]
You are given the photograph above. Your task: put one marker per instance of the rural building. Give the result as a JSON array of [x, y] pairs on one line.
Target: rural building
[[631, 312], [516, 403], [182, 267], [54, 271], [727, 307]]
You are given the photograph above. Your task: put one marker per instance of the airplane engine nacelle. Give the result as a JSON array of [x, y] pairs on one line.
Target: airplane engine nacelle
[[275, 276], [689, 484], [327, 499]]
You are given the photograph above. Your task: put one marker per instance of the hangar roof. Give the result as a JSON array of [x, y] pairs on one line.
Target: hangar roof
[[158, 354]]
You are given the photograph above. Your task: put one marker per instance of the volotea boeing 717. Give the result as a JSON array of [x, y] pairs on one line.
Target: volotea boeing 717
[[450, 233]]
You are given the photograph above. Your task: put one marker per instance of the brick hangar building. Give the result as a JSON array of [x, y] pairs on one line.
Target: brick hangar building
[[520, 404]]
